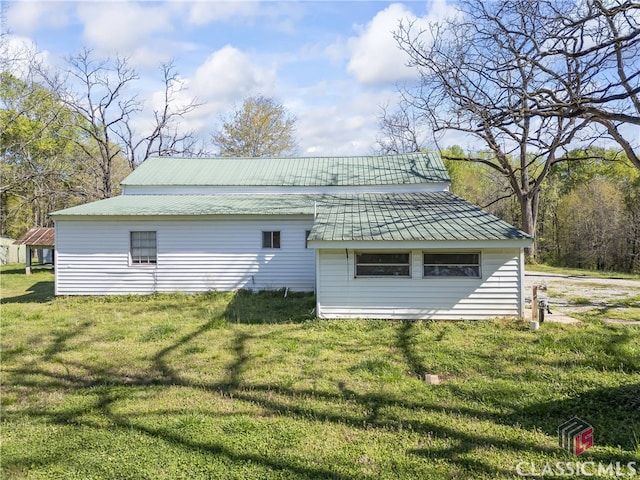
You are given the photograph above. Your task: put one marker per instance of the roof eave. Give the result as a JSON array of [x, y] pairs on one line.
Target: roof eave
[[420, 244]]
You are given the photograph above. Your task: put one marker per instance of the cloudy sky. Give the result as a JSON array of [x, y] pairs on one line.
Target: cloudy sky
[[332, 64]]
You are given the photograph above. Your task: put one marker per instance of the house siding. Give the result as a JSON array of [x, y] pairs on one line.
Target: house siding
[[214, 253], [499, 291]]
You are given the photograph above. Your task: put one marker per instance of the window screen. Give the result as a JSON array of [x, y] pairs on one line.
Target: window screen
[[452, 265], [143, 248], [382, 265]]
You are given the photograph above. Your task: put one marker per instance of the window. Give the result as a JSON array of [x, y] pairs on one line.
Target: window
[[452, 265], [382, 265], [143, 248], [306, 238], [270, 239]]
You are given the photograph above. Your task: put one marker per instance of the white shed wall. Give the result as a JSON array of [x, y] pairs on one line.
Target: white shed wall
[[215, 253], [498, 293]]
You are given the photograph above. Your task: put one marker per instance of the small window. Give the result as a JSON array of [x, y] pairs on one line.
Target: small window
[[452, 265], [143, 248], [270, 239], [382, 265], [306, 238]]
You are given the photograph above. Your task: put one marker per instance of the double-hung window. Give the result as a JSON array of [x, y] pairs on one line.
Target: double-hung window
[[270, 239], [383, 265], [144, 249], [454, 264]]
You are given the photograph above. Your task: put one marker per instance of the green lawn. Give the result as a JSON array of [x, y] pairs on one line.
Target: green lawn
[[245, 386]]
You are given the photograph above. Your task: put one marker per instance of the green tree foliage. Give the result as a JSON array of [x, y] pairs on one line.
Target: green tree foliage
[[47, 163], [590, 213], [261, 127], [590, 230], [36, 134], [589, 209]]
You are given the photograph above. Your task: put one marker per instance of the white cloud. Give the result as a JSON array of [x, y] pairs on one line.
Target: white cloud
[[346, 126], [375, 55], [27, 17], [201, 13], [229, 75], [225, 79], [125, 28]]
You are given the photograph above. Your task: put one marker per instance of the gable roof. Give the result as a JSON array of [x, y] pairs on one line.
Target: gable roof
[[413, 168], [432, 216]]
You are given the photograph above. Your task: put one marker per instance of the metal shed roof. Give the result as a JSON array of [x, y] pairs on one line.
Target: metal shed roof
[[38, 237], [429, 216], [413, 168], [186, 205]]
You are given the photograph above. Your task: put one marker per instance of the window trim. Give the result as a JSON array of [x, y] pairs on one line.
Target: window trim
[[132, 258], [273, 235], [391, 264], [453, 252]]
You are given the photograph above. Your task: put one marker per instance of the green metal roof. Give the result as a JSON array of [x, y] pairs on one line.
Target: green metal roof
[[167, 205], [411, 216], [361, 217], [414, 168]]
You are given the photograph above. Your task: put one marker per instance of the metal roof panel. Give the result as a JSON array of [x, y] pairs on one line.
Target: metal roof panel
[[411, 168]]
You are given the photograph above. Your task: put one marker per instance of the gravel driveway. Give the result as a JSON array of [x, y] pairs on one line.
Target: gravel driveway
[[569, 294]]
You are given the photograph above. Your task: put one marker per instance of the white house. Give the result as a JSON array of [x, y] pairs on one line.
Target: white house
[[374, 237]]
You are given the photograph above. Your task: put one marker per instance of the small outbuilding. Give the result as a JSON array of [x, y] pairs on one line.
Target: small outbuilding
[[37, 238]]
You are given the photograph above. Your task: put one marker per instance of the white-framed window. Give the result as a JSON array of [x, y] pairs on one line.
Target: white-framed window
[[452, 264], [371, 264], [144, 250], [271, 239]]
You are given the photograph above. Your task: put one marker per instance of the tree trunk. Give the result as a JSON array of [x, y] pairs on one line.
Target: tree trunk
[[529, 210]]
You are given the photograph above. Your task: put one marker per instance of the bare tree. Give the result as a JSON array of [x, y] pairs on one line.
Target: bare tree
[[601, 42], [399, 131], [165, 139], [260, 127], [481, 74], [99, 91], [96, 91]]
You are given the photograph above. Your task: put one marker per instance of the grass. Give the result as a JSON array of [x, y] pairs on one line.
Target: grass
[[237, 385]]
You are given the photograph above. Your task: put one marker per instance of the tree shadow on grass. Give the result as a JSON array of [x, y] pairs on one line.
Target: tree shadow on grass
[[346, 407], [614, 412], [274, 400]]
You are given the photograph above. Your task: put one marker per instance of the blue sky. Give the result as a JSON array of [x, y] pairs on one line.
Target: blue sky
[[331, 64]]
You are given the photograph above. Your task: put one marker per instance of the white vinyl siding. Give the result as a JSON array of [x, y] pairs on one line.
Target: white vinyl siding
[[214, 253], [498, 293]]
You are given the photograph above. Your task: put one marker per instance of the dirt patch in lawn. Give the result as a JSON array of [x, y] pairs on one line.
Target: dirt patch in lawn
[[568, 294]]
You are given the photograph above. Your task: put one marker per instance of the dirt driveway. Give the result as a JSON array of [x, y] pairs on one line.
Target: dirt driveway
[[570, 294]]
